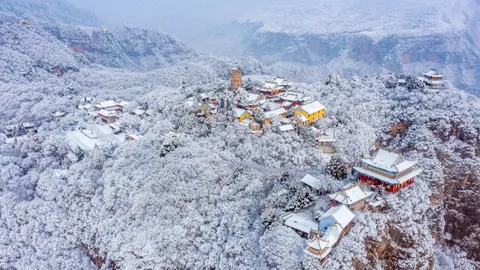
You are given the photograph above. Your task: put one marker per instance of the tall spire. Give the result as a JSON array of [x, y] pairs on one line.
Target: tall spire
[[236, 78]]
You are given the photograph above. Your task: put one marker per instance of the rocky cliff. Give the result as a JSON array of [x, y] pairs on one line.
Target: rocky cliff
[[123, 47]]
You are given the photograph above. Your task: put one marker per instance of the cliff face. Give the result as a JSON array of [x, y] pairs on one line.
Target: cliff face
[[462, 182], [394, 248], [462, 214], [123, 47], [348, 53], [454, 151]]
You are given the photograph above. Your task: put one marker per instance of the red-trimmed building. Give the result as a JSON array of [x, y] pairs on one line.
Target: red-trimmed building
[[271, 89], [433, 79], [389, 170], [108, 116]]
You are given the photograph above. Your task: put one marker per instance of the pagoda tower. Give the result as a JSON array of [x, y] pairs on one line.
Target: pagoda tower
[[236, 78]]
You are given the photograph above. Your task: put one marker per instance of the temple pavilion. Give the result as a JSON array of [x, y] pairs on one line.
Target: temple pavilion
[[389, 170]]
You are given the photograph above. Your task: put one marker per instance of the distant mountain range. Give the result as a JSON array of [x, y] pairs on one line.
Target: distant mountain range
[[352, 37], [50, 11]]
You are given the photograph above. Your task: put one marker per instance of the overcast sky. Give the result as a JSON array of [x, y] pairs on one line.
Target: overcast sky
[[178, 17]]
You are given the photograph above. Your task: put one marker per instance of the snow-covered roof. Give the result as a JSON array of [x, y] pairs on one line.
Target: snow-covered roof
[[253, 97], [388, 180], [286, 104], [405, 165], [285, 128], [433, 73], [350, 195], [107, 113], [312, 181], [247, 121], [300, 223], [312, 107], [434, 82], [377, 203], [282, 81], [293, 96], [270, 86], [329, 239], [106, 104], [94, 114], [389, 161], [402, 81], [239, 112], [138, 111], [114, 126], [276, 112], [58, 114], [326, 139], [28, 125], [302, 118], [270, 106], [85, 107], [89, 133], [78, 138], [341, 214], [286, 121]]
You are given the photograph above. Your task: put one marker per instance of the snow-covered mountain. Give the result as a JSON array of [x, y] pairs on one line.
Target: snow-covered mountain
[[123, 47], [352, 36], [50, 11], [214, 198]]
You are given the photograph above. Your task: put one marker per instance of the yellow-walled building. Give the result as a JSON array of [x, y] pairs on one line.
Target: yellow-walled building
[[280, 112], [241, 114], [311, 111]]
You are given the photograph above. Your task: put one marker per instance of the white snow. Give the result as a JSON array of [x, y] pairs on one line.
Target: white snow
[[106, 104], [276, 112], [251, 97], [312, 181], [433, 74], [389, 161], [341, 214], [327, 241], [374, 18], [326, 139], [78, 138], [405, 165], [239, 112], [270, 86], [311, 108], [350, 195], [388, 180], [107, 113], [302, 118], [286, 128], [300, 223], [292, 96]]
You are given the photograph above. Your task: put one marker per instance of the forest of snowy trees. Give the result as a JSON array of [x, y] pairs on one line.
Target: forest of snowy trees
[[212, 196]]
